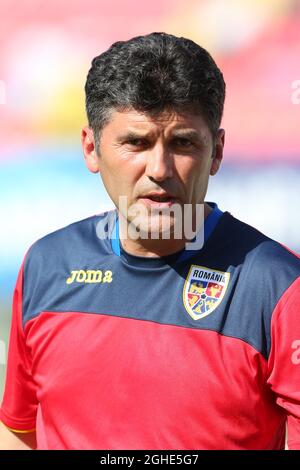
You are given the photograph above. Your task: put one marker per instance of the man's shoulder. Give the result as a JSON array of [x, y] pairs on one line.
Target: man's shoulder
[[262, 254], [75, 237]]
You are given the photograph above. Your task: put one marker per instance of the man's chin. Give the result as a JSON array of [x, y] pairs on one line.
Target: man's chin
[[158, 227]]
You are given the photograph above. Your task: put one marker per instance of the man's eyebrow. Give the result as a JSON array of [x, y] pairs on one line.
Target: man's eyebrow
[[181, 133], [132, 135], [187, 134]]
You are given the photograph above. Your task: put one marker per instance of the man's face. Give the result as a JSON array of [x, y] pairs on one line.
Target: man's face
[[156, 162]]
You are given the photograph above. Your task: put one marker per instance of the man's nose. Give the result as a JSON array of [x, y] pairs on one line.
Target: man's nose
[[159, 163]]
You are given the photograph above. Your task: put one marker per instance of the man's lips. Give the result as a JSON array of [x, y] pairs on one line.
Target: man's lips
[[158, 200]]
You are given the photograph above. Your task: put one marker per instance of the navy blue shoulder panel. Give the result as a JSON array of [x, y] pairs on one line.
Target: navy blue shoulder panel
[[74, 270], [53, 257]]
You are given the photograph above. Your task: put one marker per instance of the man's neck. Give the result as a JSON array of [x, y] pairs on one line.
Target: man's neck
[[153, 248]]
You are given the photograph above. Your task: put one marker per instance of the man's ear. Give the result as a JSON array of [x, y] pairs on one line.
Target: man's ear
[[89, 149], [218, 152]]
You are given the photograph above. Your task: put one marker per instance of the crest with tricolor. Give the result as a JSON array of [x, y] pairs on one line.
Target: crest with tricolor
[[204, 290]]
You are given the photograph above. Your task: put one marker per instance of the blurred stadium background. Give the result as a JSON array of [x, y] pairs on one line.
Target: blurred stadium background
[[46, 49]]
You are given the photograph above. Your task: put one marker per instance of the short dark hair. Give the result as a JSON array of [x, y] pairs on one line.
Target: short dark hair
[[151, 74]]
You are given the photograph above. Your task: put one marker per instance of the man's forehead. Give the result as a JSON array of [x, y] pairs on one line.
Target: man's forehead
[[142, 120]]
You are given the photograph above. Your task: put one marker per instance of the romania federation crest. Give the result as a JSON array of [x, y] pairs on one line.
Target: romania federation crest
[[204, 290]]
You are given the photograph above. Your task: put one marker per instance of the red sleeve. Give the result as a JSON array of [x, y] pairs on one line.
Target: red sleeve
[[284, 360], [19, 405]]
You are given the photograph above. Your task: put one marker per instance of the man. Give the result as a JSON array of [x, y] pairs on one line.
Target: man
[[127, 336]]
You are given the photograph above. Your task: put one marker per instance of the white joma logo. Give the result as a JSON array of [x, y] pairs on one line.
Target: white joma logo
[[90, 276]]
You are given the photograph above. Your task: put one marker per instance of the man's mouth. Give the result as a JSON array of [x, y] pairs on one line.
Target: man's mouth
[[158, 200]]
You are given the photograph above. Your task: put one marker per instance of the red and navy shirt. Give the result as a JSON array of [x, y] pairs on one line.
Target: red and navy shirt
[[197, 350]]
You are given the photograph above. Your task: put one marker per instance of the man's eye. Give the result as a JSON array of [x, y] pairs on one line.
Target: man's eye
[[136, 142], [181, 142]]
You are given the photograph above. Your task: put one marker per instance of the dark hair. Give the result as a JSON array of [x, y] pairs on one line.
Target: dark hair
[[151, 74]]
